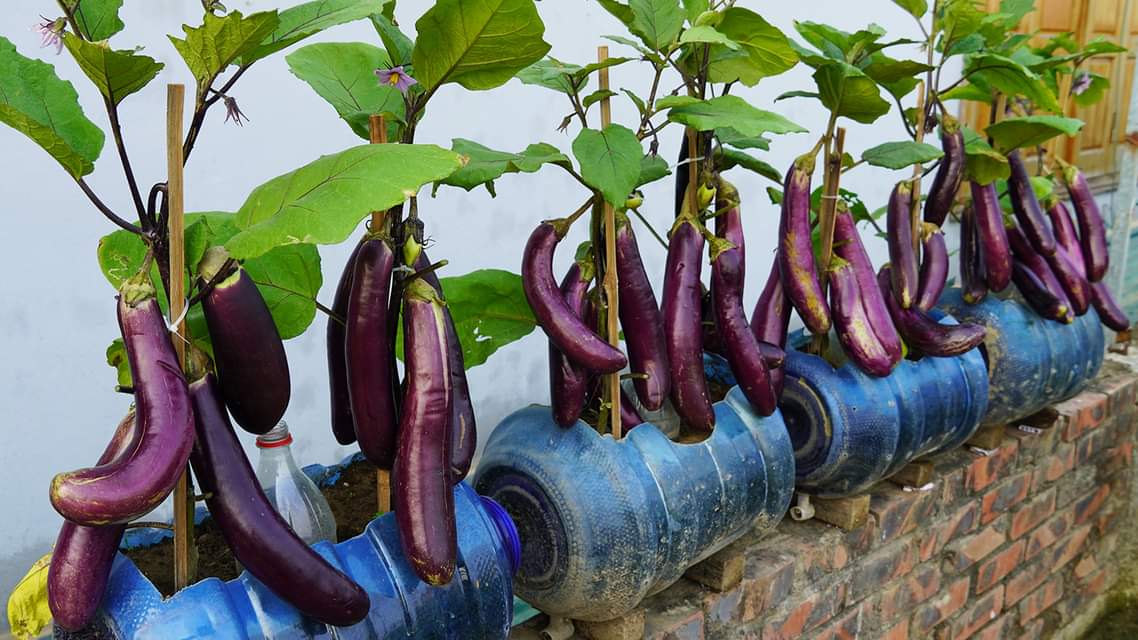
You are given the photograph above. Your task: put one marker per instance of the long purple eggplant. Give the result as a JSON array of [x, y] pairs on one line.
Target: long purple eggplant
[[1026, 207], [682, 331], [743, 351], [925, 334], [568, 381], [1092, 230], [423, 496], [1076, 287], [973, 281], [368, 346], [563, 328], [629, 417], [848, 247], [796, 251], [82, 558], [1066, 238], [995, 253], [854, 329], [640, 318], [133, 486], [934, 267], [335, 337], [1026, 255], [260, 538], [899, 227], [252, 368], [1109, 312], [770, 320], [1039, 296], [729, 222], [948, 175]]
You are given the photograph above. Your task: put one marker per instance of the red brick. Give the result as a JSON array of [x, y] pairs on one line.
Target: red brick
[[899, 631], [939, 609], [1025, 581], [961, 522], [1118, 458], [950, 477], [898, 512], [1120, 391], [767, 580], [978, 614], [922, 584], [861, 540], [810, 614], [1034, 444], [818, 548], [1031, 514], [1068, 548], [1048, 533], [846, 627], [1082, 413], [678, 624], [1086, 507], [1033, 629], [1004, 496], [985, 470], [1000, 565], [965, 552], [995, 631], [1089, 446], [880, 568], [1055, 466], [1040, 600], [1085, 567]]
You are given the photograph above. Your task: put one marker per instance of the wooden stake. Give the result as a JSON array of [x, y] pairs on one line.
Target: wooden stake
[[832, 180], [175, 188], [918, 170], [612, 380], [377, 128]]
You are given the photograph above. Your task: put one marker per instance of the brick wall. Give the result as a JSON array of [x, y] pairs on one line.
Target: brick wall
[[1019, 542]]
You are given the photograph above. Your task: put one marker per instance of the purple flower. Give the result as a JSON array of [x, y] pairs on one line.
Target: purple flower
[[397, 78], [51, 33], [232, 111], [1081, 84]]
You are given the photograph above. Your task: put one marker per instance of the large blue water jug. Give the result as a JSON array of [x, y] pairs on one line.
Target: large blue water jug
[[477, 604], [1032, 362], [605, 523]]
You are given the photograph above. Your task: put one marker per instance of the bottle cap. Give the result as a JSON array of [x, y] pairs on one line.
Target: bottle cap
[[277, 437], [507, 530]]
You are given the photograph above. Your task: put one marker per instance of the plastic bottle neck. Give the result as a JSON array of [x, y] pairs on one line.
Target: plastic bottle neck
[[511, 542]]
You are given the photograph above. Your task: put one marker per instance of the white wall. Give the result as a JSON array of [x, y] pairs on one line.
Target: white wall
[[58, 314]]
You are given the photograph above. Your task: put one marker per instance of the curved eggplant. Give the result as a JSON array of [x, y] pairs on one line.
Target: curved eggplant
[[1092, 230], [568, 381], [335, 337], [948, 175], [563, 328], [368, 345], [770, 320], [1026, 254], [1026, 207], [133, 486], [855, 332], [729, 222], [424, 498], [640, 317], [1039, 296], [82, 558], [743, 350], [1066, 237], [898, 224], [629, 416], [1076, 287], [682, 316], [252, 368], [973, 281], [994, 250], [1109, 312], [848, 247], [925, 334], [260, 538], [796, 251], [934, 267]]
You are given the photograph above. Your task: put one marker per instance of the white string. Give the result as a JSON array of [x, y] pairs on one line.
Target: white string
[[172, 326]]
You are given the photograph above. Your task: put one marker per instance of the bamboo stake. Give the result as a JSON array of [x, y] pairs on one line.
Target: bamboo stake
[[831, 180], [612, 380], [175, 189], [918, 170], [377, 128]]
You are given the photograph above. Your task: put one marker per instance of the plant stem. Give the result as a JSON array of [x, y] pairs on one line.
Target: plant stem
[[105, 210], [202, 105], [128, 171], [651, 229]]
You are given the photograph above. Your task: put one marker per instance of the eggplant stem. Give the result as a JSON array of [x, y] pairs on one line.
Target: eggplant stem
[[147, 524], [651, 229]]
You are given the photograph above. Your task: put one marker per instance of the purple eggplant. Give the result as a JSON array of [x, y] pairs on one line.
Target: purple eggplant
[[629, 416], [682, 316], [1066, 238], [773, 355], [770, 320], [136, 484], [743, 351], [994, 250], [899, 225], [335, 337], [260, 538], [948, 174], [854, 328], [1026, 254], [423, 496], [973, 282], [1076, 287], [640, 318], [368, 347], [1026, 207], [848, 247], [563, 328], [82, 558], [796, 252], [1092, 230], [1109, 312], [925, 334], [729, 222], [1039, 296], [568, 381], [934, 267]]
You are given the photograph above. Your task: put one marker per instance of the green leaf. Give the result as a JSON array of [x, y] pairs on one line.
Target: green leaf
[[731, 158], [916, 8], [35, 102], [289, 278], [652, 168], [1015, 10], [982, 163], [479, 45], [1043, 187], [833, 43], [732, 137], [610, 161], [583, 73], [552, 73], [484, 165], [898, 155], [656, 22], [596, 96], [898, 77], [344, 75], [641, 108], [323, 201], [398, 45], [116, 358], [668, 102], [1011, 78], [846, 90], [116, 74], [968, 91], [619, 11], [763, 50], [219, 41], [1029, 131], [734, 112], [489, 310], [696, 8], [797, 94], [303, 20], [97, 19], [707, 34], [1100, 46], [1093, 93]]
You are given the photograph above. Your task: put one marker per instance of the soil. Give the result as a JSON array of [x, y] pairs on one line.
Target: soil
[[715, 389]]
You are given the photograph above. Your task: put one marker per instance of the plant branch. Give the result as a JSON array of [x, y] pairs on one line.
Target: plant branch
[[128, 171], [651, 229], [105, 210], [201, 107], [323, 309]]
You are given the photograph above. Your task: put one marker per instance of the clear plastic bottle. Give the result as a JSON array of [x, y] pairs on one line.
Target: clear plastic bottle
[[295, 496]]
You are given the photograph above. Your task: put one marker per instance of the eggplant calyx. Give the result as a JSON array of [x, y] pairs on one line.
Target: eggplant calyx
[[138, 288], [213, 262]]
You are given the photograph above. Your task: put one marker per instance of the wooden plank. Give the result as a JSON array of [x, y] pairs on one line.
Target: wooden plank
[[988, 437], [914, 474], [846, 513], [721, 571]]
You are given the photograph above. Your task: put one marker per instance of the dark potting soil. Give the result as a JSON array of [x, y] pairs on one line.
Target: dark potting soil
[[353, 502]]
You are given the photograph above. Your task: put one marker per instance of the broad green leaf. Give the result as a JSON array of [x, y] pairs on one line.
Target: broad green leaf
[[898, 155], [117, 359], [731, 158], [834, 43], [763, 50], [478, 44], [1011, 78], [219, 41], [668, 102], [982, 163], [797, 94], [1029, 131], [595, 97], [1094, 92], [732, 137], [1100, 46], [641, 108], [657, 22], [916, 8], [484, 165], [489, 310], [28, 610], [610, 161], [898, 77], [323, 201], [846, 90], [652, 168], [116, 74], [303, 20], [398, 45], [707, 34], [1043, 187], [695, 8], [618, 10], [343, 73], [734, 112], [552, 73], [968, 91], [289, 278], [1015, 10], [35, 102], [97, 19], [583, 73]]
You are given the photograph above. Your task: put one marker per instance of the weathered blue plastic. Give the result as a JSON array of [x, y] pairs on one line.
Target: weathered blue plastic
[[851, 430], [604, 523], [1032, 362], [477, 604]]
